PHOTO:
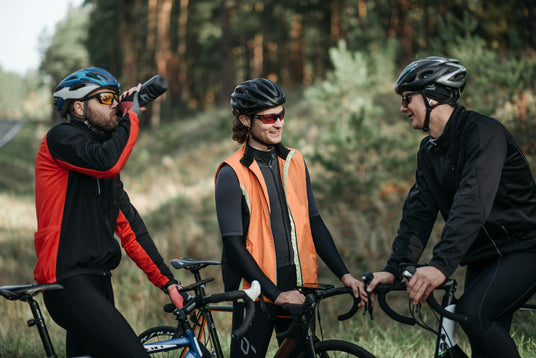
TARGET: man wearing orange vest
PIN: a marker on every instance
(270, 225)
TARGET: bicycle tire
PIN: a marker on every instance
(162, 333)
(337, 348)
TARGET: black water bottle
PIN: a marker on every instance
(151, 89)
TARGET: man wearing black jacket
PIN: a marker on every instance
(471, 171)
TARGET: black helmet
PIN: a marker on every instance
(255, 95)
(425, 73)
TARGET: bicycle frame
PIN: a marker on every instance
(446, 345)
(205, 318)
(303, 326)
(188, 339)
(204, 324)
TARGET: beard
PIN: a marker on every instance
(104, 121)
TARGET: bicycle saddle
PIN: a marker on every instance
(187, 263)
(21, 292)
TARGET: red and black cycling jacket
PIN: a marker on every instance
(80, 203)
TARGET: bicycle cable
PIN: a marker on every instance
(420, 321)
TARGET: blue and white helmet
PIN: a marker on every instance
(81, 83)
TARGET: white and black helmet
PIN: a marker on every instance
(426, 73)
(438, 78)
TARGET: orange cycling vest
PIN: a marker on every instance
(259, 240)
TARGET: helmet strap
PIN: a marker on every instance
(268, 146)
(85, 111)
(257, 139)
(429, 107)
(86, 121)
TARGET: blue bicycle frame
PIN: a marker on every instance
(188, 339)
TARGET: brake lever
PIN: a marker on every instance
(367, 279)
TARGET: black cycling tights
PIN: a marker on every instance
(85, 309)
(493, 291)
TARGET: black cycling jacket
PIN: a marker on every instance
(477, 177)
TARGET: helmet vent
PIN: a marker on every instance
(77, 86)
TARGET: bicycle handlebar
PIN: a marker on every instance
(339, 291)
(298, 311)
(383, 289)
(248, 295)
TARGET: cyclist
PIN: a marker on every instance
(80, 202)
(470, 170)
(269, 221)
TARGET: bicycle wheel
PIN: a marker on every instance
(162, 333)
(337, 348)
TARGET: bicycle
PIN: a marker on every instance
(302, 330)
(446, 345)
(182, 337)
(163, 339)
(203, 322)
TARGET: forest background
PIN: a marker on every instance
(336, 59)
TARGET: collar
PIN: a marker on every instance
(248, 157)
(102, 136)
(451, 129)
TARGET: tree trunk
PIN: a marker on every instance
(225, 71)
(128, 68)
(163, 50)
(152, 15)
(257, 54)
(296, 50)
(181, 89)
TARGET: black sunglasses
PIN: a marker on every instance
(406, 98)
(106, 98)
(269, 118)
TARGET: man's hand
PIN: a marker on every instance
(178, 298)
(381, 277)
(290, 297)
(357, 287)
(129, 100)
(423, 282)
